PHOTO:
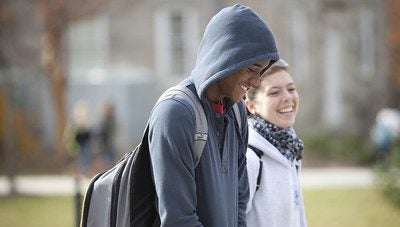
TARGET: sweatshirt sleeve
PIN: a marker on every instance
(171, 140)
(243, 191)
(253, 166)
(242, 174)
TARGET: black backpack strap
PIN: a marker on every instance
(259, 153)
(142, 197)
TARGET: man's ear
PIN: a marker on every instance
(251, 106)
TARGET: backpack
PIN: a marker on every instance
(259, 154)
(125, 194)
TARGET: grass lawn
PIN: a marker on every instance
(37, 211)
(349, 208)
(325, 208)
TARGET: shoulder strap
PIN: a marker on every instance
(259, 153)
(236, 112)
(201, 133)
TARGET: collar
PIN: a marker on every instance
(219, 107)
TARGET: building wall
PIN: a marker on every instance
(337, 53)
(336, 48)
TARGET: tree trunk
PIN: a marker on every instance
(53, 15)
(9, 142)
(394, 50)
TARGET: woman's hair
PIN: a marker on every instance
(277, 66)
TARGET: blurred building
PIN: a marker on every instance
(130, 51)
(337, 51)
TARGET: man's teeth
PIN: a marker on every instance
(286, 109)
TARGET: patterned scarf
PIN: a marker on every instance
(285, 140)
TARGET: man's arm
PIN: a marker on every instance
(242, 174)
(243, 192)
(171, 140)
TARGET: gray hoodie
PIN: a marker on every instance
(215, 192)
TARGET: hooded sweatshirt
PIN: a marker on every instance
(215, 192)
(278, 200)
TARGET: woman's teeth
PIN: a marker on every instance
(286, 109)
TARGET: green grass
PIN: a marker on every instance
(325, 208)
(349, 208)
(36, 211)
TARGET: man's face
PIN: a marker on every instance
(235, 85)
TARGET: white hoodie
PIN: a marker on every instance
(278, 202)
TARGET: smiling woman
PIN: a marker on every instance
(278, 100)
(275, 193)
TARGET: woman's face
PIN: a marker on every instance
(277, 100)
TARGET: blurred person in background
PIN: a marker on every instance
(383, 133)
(106, 134)
(274, 152)
(78, 137)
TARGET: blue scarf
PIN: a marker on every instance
(285, 140)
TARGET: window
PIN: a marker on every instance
(367, 42)
(88, 43)
(300, 47)
(176, 41)
(333, 100)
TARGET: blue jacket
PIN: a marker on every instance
(215, 192)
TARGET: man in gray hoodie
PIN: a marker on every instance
(237, 47)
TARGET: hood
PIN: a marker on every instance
(234, 38)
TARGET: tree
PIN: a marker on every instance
(7, 34)
(56, 16)
(393, 39)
